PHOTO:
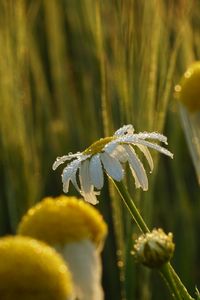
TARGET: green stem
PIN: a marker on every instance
(131, 206)
(166, 274)
(178, 290)
(180, 286)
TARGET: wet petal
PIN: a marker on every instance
(155, 147)
(126, 129)
(120, 154)
(96, 172)
(68, 172)
(112, 166)
(137, 167)
(91, 197)
(147, 154)
(133, 138)
(152, 135)
(87, 189)
(74, 182)
(110, 147)
(60, 160)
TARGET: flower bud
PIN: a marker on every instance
(154, 249)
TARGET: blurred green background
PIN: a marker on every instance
(72, 71)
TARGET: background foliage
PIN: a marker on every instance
(74, 71)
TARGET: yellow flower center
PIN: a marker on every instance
(188, 90)
(98, 146)
(63, 220)
(30, 269)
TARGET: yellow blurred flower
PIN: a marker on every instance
(188, 94)
(30, 269)
(188, 90)
(62, 220)
(77, 230)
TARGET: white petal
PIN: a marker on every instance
(110, 147)
(152, 135)
(120, 154)
(60, 160)
(68, 172)
(85, 176)
(137, 167)
(85, 266)
(137, 183)
(134, 138)
(155, 147)
(74, 182)
(87, 189)
(90, 197)
(96, 172)
(126, 129)
(147, 154)
(112, 166)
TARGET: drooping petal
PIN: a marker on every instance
(112, 166)
(68, 172)
(84, 263)
(60, 160)
(147, 154)
(132, 138)
(152, 135)
(74, 182)
(137, 166)
(90, 197)
(126, 129)
(110, 147)
(85, 177)
(137, 183)
(155, 147)
(96, 172)
(87, 189)
(119, 153)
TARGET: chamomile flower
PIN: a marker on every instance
(77, 231)
(110, 154)
(30, 269)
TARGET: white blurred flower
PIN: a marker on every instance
(84, 262)
(110, 154)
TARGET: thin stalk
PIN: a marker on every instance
(178, 290)
(180, 286)
(131, 206)
(167, 275)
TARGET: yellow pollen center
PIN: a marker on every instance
(98, 146)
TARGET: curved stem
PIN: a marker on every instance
(180, 286)
(166, 274)
(131, 206)
(178, 290)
